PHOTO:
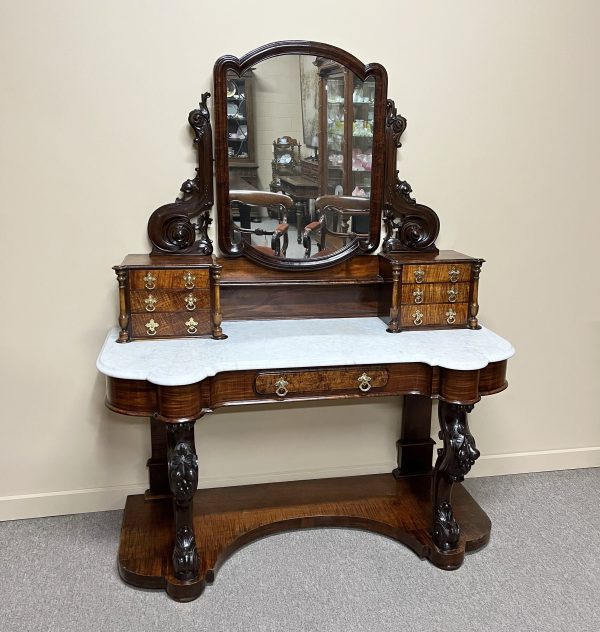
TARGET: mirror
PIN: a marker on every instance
(299, 153)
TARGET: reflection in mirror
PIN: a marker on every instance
(299, 145)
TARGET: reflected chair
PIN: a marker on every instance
(333, 228)
(288, 178)
(275, 202)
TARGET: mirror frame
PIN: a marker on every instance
(297, 47)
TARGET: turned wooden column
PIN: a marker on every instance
(453, 463)
(183, 481)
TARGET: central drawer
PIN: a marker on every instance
(359, 379)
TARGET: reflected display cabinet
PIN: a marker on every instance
(342, 311)
(347, 110)
(241, 134)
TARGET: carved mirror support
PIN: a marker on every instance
(170, 228)
(408, 226)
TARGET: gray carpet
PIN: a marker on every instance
(541, 572)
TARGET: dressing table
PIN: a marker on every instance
(333, 321)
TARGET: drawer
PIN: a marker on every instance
(359, 379)
(167, 325)
(423, 293)
(436, 273)
(438, 315)
(157, 301)
(180, 279)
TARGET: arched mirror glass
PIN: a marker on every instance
(299, 151)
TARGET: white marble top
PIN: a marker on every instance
(277, 344)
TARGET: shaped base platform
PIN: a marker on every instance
(227, 518)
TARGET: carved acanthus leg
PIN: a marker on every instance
(453, 463)
(183, 480)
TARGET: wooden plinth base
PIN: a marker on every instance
(227, 518)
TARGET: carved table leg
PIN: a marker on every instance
(183, 480)
(453, 463)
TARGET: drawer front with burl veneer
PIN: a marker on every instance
(357, 379)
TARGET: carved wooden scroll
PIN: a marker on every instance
(170, 227)
(409, 226)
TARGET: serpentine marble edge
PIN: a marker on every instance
(277, 344)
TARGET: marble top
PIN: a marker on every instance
(278, 344)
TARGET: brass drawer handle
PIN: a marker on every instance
(280, 387)
(418, 294)
(188, 280)
(364, 383)
(452, 295)
(151, 327)
(451, 316)
(419, 275)
(149, 281)
(150, 303)
(191, 325)
(418, 318)
(454, 273)
(190, 302)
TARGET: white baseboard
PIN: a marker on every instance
(110, 498)
(66, 502)
(540, 461)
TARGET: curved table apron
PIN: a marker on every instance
(176, 536)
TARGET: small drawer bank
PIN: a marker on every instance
(162, 298)
(429, 290)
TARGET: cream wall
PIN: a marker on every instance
(502, 100)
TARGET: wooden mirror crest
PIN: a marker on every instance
(307, 200)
